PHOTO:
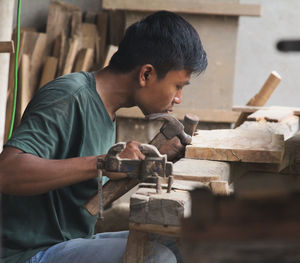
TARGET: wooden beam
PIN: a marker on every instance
(205, 115)
(7, 47)
(186, 7)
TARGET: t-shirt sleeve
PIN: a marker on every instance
(46, 126)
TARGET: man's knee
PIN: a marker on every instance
(157, 253)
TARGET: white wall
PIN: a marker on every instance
(257, 55)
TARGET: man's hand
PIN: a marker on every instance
(172, 148)
(131, 151)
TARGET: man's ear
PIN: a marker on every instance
(146, 74)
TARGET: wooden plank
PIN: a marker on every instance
(205, 115)
(62, 18)
(270, 115)
(71, 55)
(102, 23)
(7, 47)
(37, 60)
(149, 207)
(200, 170)
(111, 50)
(84, 60)
(251, 143)
(187, 7)
(49, 70)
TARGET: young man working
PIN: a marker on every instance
(48, 168)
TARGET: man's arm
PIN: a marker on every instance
(26, 174)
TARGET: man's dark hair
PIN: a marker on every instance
(164, 40)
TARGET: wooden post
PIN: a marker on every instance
(262, 96)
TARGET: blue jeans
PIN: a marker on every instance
(101, 248)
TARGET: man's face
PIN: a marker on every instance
(159, 95)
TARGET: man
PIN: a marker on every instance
(48, 167)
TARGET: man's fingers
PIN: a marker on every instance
(132, 151)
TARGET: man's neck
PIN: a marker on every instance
(115, 90)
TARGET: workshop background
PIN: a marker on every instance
(236, 192)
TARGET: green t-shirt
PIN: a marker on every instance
(65, 119)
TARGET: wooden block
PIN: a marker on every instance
(270, 115)
(257, 144)
(49, 70)
(71, 56)
(148, 207)
(7, 47)
(111, 50)
(188, 7)
(200, 170)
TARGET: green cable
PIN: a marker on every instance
(12, 121)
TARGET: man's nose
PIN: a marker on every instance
(178, 97)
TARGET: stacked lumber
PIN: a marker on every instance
(261, 223)
(74, 41)
(266, 143)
